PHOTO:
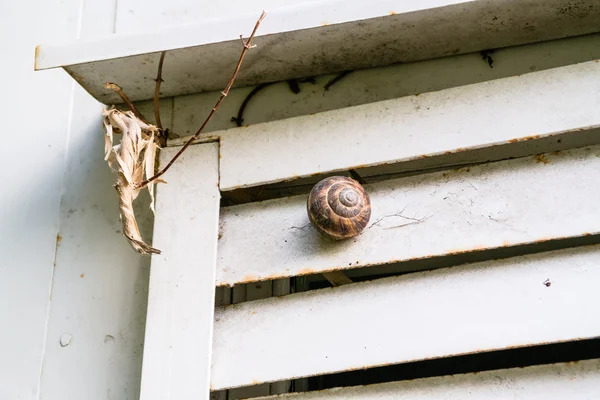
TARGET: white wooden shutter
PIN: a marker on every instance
(473, 169)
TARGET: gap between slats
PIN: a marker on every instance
(576, 380)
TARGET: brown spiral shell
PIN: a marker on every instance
(339, 207)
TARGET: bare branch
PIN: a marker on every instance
(224, 93)
(116, 88)
(157, 91)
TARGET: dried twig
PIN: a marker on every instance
(121, 93)
(157, 91)
(247, 45)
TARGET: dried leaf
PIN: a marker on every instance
(149, 159)
(132, 159)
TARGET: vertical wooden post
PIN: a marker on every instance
(179, 325)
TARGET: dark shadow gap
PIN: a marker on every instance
(542, 354)
(317, 281)
(488, 361)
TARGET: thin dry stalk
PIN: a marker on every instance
(116, 88)
(157, 91)
(246, 46)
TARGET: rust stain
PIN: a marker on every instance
(392, 12)
(58, 239)
(77, 76)
(249, 278)
(82, 275)
(462, 251)
(556, 153)
(524, 138)
(324, 23)
(541, 158)
(307, 271)
(35, 59)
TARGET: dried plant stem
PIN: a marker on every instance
(247, 45)
(121, 93)
(157, 91)
(130, 227)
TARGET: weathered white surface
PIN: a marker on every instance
(36, 125)
(451, 311)
(577, 381)
(178, 342)
(488, 206)
(100, 286)
(311, 39)
(468, 117)
(364, 86)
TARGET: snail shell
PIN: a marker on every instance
(339, 207)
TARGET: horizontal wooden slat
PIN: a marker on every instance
(573, 381)
(489, 206)
(451, 120)
(311, 39)
(528, 300)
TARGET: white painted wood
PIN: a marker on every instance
(342, 35)
(250, 292)
(32, 184)
(222, 298)
(135, 16)
(277, 101)
(100, 286)
(488, 206)
(472, 308)
(577, 381)
(469, 117)
(178, 341)
(247, 293)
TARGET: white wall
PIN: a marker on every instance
(65, 267)
(35, 118)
